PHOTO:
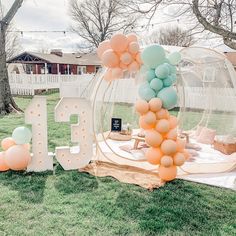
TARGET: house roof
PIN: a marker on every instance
(66, 58)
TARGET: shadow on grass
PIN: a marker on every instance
(72, 182)
(30, 186)
(178, 207)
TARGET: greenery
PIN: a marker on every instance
(73, 203)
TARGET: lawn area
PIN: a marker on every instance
(72, 203)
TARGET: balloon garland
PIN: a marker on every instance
(119, 54)
(122, 53)
(16, 150)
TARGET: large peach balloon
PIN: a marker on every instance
(179, 159)
(133, 47)
(3, 165)
(144, 125)
(173, 122)
(126, 58)
(103, 46)
(167, 161)
(141, 107)
(169, 147)
(17, 157)
(163, 126)
(162, 114)
(108, 75)
(154, 155)
(7, 143)
(150, 118)
(132, 38)
(153, 138)
(155, 104)
(117, 73)
(180, 144)
(172, 134)
(133, 66)
(110, 58)
(119, 42)
(167, 173)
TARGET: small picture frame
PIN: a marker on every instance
(116, 124)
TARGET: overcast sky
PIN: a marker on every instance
(53, 15)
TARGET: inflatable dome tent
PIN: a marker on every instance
(206, 88)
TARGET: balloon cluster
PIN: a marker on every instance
(119, 54)
(16, 150)
(158, 95)
(160, 73)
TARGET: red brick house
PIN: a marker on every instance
(56, 62)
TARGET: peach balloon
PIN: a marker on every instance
(126, 58)
(3, 165)
(117, 73)
(180, 144)
(7, 143)
(119, 42)
(173, 122)
(123, 66)
(172, 134)
(179, 159)
(110, 58)
(144, 125)
(162, 114)
(186, 154)
(155, 104)
(150, 118)
(167, 161)
(103, 46)
(163, 126)
(138, 58)
(17, 157)
(142, 107)
(154, 155)
(167, 173)
(133, 47)
(133, 66)
(108, 75)
(27, 146)
(153, 138)
(132, 38)
(169, 147)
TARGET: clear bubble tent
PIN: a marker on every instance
(206, 87)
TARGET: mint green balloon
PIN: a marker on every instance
(174, 58)
(168, 97)
(173, 69)
(146, 93)
(153, 55)
(156, 84)
(167, 82)
(21, 135)
(150, 74)
(173, 78)
(162, 71)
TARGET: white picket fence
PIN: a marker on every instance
(28, 84)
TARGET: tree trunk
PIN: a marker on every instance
(7, 104)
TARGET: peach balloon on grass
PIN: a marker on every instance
(169, 147)
(17, 157)
(144, 125)
(142, 107)
(162, 114)
(119, 42)
(180, 144)
(155, 104)
(103, 46)
(167, 173)
(7, 143)
(154, 155)
(186, 154)
(172, 134)
(179, 159)
(150, 118)
(3, 165)
(153, 138)
(110, 58)
(167, 161)
(163, 126)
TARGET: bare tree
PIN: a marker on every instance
(7, 103)
(171, 35)
(97, 20)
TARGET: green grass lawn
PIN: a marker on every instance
(73, 203)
